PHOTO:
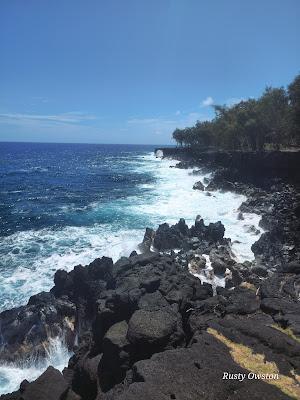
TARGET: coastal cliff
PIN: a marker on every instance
(155, 326)
(279, 164)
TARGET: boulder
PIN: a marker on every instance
(167, 237)
(116, 356)
(220, 259)
(193, 373)
(148, 239)
(85, 376)
(198, 186)
(242, 301)
(215, 231)
(51, 385)
(25, 330)
(291, 268)
(151, 331)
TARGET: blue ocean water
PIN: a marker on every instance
(48, 192)
(66, 204)
(54, 185)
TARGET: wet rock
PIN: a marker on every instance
(216, 231)
(220, 259)
(197, 264)
(25, 330)
(148, 239)
(198, 186)
(49, 386)
(240, 216)
(253, 229)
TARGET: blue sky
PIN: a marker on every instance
(116, 71)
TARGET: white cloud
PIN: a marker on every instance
(164, 125)
(151, 121)
(69, 117)
(209, 101)
(178, 112)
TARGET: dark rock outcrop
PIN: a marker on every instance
(198, 186)
(147, 328)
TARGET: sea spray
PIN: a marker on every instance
(165, 195)
(12, 374)
(110, 220)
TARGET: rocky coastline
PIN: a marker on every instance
(148, 327)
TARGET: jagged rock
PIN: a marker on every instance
(85, 376)
(148, 239)
(144, 259)
(198, 186)
(167, 237)
(193, 373)
(242, 301)
(142, 322)
(216, 231)
(259, 270)
(116, 356)
(197, 264)
(220, 259)
(49, 386)
(25, 330)
(291, 268)
(240, 216)
(152, 301)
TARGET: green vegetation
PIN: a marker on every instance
(269, 122)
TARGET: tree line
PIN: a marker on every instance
(270, 122)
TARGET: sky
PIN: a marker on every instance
(115, 71)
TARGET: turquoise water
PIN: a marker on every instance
(63, 205)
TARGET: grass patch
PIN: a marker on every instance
(256, 363)
(248, 285)
(286, 331)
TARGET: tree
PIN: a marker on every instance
(273, 113)
(178, 136)
(294, 98)
(271, 121)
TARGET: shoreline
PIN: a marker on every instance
(169, 199)
(128, 315)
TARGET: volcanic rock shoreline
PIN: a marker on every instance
(145, 327)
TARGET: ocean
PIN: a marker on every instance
(66, 204)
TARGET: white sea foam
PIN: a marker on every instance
(11, 375)
(30, 258)
(40, 253)
(207, 275)
(175, 198)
